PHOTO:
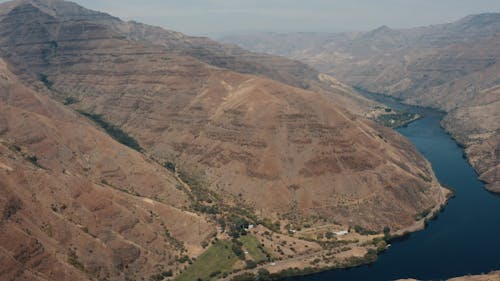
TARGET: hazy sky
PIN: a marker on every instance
(209, 17)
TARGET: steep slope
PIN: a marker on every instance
(76, 205)
(452, 67)
(226, 56)
(244, 136)
(231, 57)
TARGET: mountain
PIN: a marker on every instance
(209, 51)
(452, 67)
(74, 201)
(131, 149)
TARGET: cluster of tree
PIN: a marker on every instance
(237, 226)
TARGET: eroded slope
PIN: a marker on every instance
(76, 205)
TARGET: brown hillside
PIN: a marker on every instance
(76, 204)
(280, 149)
(453, 67)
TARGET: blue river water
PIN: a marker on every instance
(465, 237)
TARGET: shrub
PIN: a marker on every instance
(13, 205)
(73, 260)
(45, 80)
(250, 264)
(237, 250)
(422, 214)
(70, 100)
(237, 226)
(112, 130)
(170, 166)
(363, 231)
(244, 277)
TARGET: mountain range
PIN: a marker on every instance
(128, 151)
(451, 67)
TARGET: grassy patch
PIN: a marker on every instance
(112, 130)
(254, 248)
(171, 240)
(73, 260)
(364, 231)
(219, 258)
(70, 100)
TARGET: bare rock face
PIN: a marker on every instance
(452, 67)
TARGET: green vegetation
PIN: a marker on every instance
(363, 231)
(113, 131)
(276, 226)
(237, 226)
(264, 275)
(34, 160)
(171, 240)
(254, 248)
(387, 233)
(422, 214)
(394, 120)
(54, 45)
(170, 166)
(73, 260)
(198, 190)
(237, 250)
(329, 235)
(250, 264)
(244, 277)
(12, 207)
(217, 260)
(161, 276)
(70, 100)
(45, 80)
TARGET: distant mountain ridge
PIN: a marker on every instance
(452, 67)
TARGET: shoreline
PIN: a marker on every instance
(292, 270)
(288, 268)
(373, 96)
(311, 263)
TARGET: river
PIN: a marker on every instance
(465, 237)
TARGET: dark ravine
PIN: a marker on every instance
(461, 241)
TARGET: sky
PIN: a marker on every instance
(220, 17)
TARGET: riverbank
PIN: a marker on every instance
(444, 249)
(476, 131)
(355, 250)
(492, 276)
